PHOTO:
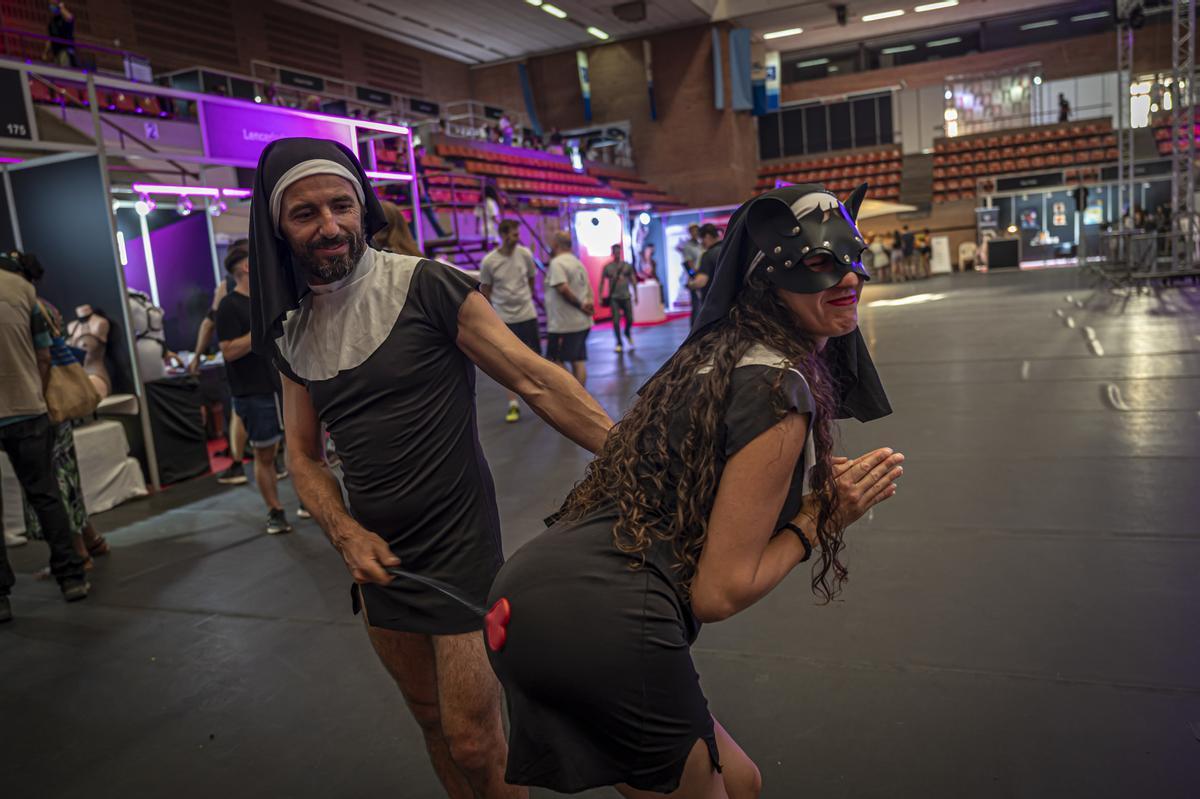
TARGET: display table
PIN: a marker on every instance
(108, 475)
(647, 303)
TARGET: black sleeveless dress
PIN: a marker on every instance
(403, 422)
(596, 667)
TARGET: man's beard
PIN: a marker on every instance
(324, 270)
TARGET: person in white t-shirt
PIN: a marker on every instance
(506, 278)
(569, 308)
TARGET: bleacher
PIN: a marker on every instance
(841, 173)
(75, 96)
(536, 173)
(1162, 134)
(959, 162)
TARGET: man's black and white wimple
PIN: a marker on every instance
(786, 230)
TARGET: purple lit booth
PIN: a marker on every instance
(149, 205)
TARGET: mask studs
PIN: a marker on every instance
(804, 250)
(826, 245)
(846, 258)
(795, 230)
(778, 250)
(787, 264)
(770, 269)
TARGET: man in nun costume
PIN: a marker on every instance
(381, 349)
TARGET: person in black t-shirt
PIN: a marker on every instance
(710, 240)
(61, 28)
(253, 386)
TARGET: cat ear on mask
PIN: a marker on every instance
(854, 201)
(770, 221)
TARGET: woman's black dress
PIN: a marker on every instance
(597, 666)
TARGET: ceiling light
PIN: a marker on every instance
(1046, 23)
(833, 68)
(816, 62)
(899, 12)
(553, 11)
(1037, 80)
(904, 48)
(944, 42)
(534, 2)
(1086, 17)
(781, 34)
(936, 6)
(185, 206)
(949, 94)
(644, 218)
(599, 34)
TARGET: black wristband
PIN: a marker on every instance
(803, 540)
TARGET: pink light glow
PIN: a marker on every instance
(6, 160)
(181, 191)
(389, 176)
(240, 193)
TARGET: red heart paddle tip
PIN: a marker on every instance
(496, 624)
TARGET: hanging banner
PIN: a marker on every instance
(585, 85)
(527, 94)
(646, 58)
(718, 72)
(772, 80)
(740, 83)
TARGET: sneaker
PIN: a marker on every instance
(513, 415)
(75, 590)
(5, 609)
(15, 539)
(235, 475)
(303, 513)
(281, 471)
(277, 522)
(618, 348)
(629, 344)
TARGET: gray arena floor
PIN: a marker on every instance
(1023, 619)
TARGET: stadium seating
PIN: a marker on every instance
(959, 163)
(840, 173)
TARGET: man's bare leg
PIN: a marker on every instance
(264, 475)
(469, 697)
(579, 369)
(408, 657)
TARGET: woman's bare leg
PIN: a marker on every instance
(738, 779)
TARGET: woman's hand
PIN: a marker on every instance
(864, 482)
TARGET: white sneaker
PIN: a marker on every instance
(629, 343)
(15, 539)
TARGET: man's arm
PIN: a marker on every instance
(365, 553)
(550, 390)
(234, 349)
(565, 292)
(203, 337)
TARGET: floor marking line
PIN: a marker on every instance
(1025, 366)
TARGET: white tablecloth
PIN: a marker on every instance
(647, 302)
(108, 474)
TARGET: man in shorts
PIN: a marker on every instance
(569, 308)
(252, 383)
(506, 278)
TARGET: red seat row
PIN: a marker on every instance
(829, 162)
(485, 168)
(1041, 134)
(534, 159)
(568, 189)
(76, 97)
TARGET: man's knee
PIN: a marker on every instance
(428, 717)
(265, 454)
(475, 749)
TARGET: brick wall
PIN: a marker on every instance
(229, 34)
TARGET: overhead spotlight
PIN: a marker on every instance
(185, 206)
(553, 10)
(144, 205)
(1037, 80)
(949, 94)
(599, 34)
(258, 98)
(1012, 228)
(217, 208)
(644, 218)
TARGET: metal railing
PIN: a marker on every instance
(29, 46)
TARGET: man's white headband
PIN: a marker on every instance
(306, 169)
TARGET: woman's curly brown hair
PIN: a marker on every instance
(633, 470)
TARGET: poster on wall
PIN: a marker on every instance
(1059, 220)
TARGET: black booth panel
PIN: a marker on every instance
(64, 216)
